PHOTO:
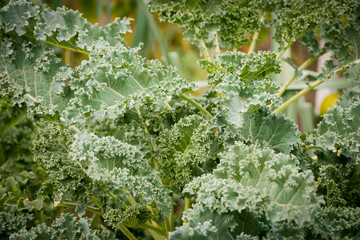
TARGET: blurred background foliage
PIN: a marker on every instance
(164, 41)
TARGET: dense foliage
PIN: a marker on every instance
(106, 149)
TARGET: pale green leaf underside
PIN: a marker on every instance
(269, 130)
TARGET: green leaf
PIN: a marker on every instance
(64, 227)
(249, 177)
(33, 75)
(63, 27)
(201, 18)
(186, 149)
(340, 128)
(212, 225)
(337, 223)
(116, 79)
(269, 130)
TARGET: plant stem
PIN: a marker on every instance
(195, 104)
(256, 35)
(253, 42)
(153, 228)
(278, 56)
(203, 47)
(68, 48)
(298, 95)
(187, 204)
(217, 45)
(126, 232)
(73, 205)
(300, 68)
(130, 198)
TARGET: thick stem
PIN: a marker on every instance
(73, 205)
(126, 232)
(217, 46)
(298, 95)
(253, 42)
(153, 228)
(300, 68)
(203, 47)
(195, 104)
(187, 204)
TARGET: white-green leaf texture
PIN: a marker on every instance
(113, 80)
(340, 128)
(249, 178)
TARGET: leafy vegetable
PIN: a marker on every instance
(121, 139)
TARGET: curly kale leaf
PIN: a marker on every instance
(337, 223)
(339, 179)
(203, 224)
(12, 221)
(340, 128)
(242, 83)
(80, 164)
(116, 79)
(131, 216)
(65, 227)
(15, 139)
(248, 178)
(269, 130)
(188, 149)
(245, 67)
(113, 80)
(61, 27)
(234, 22)
(120, 166)
(34, 75)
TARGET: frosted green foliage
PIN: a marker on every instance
(64, 227)
(131, 216)
(249, 177)
(18, 16)
(297, 18)
(246, 67)
(269, 130)
(235, 22)
(340, 128)
(113, 80)
(188, 149)
(120, 166)
(51, 149)
(232, 21)
(337, 223)
(78, 164)
(212, 225)
(33, 75)
(241, 80)
(342, 37)
(116, 79)
(12, 221)
(339, 179)
(62, 27)
(286, 230)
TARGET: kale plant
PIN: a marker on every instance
(121, 140)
